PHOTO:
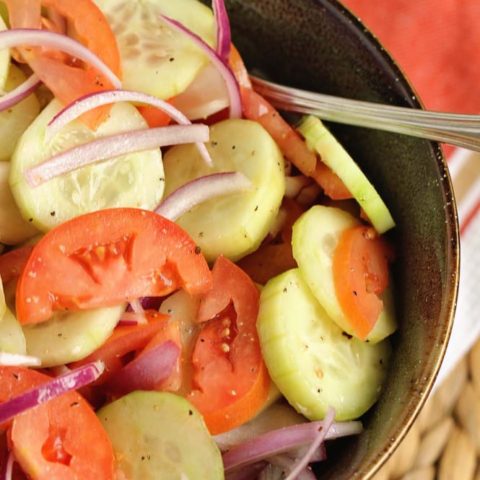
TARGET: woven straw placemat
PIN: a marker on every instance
(444, 442)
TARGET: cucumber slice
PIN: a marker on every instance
(160, 435)
(15, 120)
(5, 52)
(134, 180)
(12, 339)
(337, 158)
(233, 225)
(155, 59)
(13, 228)
(314, 239)
(182, 309)
(308, 357)
(3, 303)
(69, 337)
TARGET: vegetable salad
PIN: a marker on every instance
(191, 287)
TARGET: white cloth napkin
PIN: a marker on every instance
(465, 170)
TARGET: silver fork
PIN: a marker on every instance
(455, 129)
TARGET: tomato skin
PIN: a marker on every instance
(68, 82)
(24, 13)
(13, 262)
(82, 447)
(124, 340)
(330, 182)
(360, 269)
(230, 379)
(238, 68)
(153, 116)
(170, 331)
(257, 108)
(107, 258)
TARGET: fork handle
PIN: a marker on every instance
(456, 129)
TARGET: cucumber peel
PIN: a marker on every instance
(12, 339)
(5, 52)
(160, 435)
(13, 228)
(315, 236)
(3, 304)
(337, 159)
(68, 337)
(310, 359)
(15, 120)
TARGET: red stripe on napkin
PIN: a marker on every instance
(435, 42)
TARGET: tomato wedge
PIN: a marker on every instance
(153, 116)
(230, 380)
(170, 331)
(255, 107)
(13, 262)
(360, 270)
(123, 341)
(59, 440)
(69, 80)
(107, 258)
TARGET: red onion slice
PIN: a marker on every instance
(94, 100)
(146, 371)
(230, 81)
(200, 190)
(17, 360)
(205, 96)
(302, 463)
(72, 380)
(114, 146)
(276, 470)
(224, 36)
(151, 303)
(18, 37)
(283, 440)
(9, 467)
(19, 93)
(285, 462)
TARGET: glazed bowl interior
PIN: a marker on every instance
(319, 45)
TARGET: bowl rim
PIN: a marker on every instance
(452, 242)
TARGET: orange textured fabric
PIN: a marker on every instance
(435, 42)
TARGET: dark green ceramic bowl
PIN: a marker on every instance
(319, 45)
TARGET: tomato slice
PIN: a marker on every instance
(360, 269)
(69, 80)
(24, 13)
(170, 331)
(255, 107)
(13, 262)
(230, 379)
(59, 440)
(123, 341)
(330, 182)
(106, 258)
(153, 116)
(238, 68)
